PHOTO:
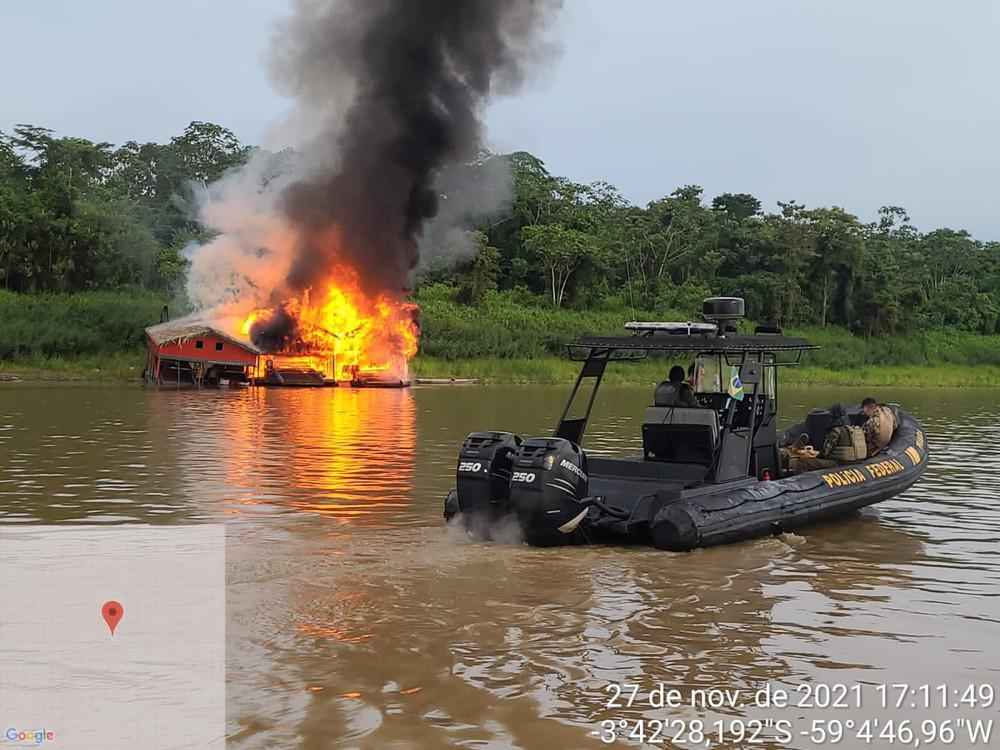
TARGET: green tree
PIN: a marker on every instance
(737, 206)
(561, 252)
(207, 151)
(481, 278)
(679, 235)
(76, 214)
(839, 246)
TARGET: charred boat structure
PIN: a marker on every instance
(293, 371)
(710, 472)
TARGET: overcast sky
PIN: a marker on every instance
(856, 103)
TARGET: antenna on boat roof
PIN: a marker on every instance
(631, 297)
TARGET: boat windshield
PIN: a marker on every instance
(707, 376)
(713, 374)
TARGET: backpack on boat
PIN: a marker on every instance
(845, 444)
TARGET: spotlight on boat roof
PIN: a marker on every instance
(688, 329)
(721, 315)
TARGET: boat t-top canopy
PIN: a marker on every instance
(717, 335)
(647, 340)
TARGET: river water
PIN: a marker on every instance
(357, 619)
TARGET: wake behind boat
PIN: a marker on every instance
(713, 468)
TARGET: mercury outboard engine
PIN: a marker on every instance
(548, 481)
(482, 480)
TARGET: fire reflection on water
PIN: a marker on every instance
(343, 453)
(357, 457)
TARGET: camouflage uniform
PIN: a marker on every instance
(845, 444)
(879, 428)
(837, 433)
(832, 439)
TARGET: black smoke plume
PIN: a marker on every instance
(416, 75)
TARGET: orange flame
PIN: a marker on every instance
(359, 334)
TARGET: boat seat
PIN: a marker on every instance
(680, 434)
(818, 423)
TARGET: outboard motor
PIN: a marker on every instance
(547, 483)
(482, 480)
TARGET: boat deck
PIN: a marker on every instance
(628, 478)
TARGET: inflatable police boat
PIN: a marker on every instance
(710, 471)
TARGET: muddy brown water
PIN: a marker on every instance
(357, 619)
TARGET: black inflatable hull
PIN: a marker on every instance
(673, 519)
(770, 507)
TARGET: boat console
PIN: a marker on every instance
(680, 434)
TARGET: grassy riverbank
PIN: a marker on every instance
(117, 367)
(48, 331)
(127, 366)
(554, 370)
(507, 339)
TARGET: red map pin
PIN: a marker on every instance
(112, 613)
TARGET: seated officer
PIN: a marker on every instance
(879, 425)
(675, 392)
(843, 442)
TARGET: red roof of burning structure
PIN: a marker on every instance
(195, 340)
(184, 329)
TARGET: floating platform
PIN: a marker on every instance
(379, 383)
(447, 381)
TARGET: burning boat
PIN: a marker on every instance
(306, 371)
(339, 336)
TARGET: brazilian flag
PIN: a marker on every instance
(736, 385)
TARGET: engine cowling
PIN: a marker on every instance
(482, 480)
(548, 481)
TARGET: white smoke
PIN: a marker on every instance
(469, 195)
(252, 251)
